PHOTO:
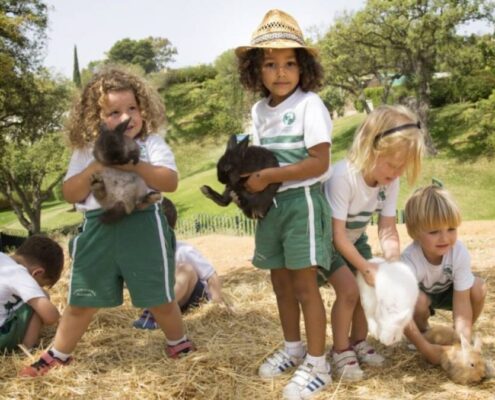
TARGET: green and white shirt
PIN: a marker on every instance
(455, 268)
(292, 127)
(354, 202)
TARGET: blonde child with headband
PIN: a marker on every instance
(388, 144)
(442, 266)
(292, 239)
(142, 243)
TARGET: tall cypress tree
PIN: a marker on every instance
(76, 75)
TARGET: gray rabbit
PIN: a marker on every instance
(240, 159)
(118, 192)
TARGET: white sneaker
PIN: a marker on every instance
(306, 382)
(278, 363)
(367, 354)
(347, 366)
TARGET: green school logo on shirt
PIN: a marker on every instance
(289, 118)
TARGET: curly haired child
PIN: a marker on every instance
(139, 249)
(293, 238)
(24, 305)
(441, 264)
(388, 144)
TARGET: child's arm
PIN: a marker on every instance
(347, 249)
(157, 177)
(315, 164)
(389, 238)
(432, 352)
(462, 313)
(77, 187)
(45, 309)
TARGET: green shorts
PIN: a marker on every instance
(296, 232)
(338, 260)
(442, 300)
(138, 250)
(13, 330)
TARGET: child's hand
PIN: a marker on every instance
(369, 273)
(256, 182)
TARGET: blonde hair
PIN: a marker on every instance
(85, 117)
(370, 142)
(428, 209)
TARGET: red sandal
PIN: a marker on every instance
(180, 349)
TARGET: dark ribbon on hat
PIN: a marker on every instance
(396, 129)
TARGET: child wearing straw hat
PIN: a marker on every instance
(293, 238)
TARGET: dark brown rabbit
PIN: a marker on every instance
(118, 192)
(240, 159)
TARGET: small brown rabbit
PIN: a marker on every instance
(463, 362)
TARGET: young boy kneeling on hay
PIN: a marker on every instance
(24, 305)
(442, 266)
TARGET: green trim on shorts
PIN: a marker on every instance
(14, 329)
(338, 260)
(296, 232)
(138, 250)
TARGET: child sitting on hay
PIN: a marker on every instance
(196, 280)
(442, 266)
(24, 305)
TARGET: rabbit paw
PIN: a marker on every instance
(98, 186)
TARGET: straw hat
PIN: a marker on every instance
(278, 30)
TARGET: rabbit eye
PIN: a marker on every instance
(472, 365)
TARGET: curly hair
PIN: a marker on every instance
(85, 116)
(368, 143)
(250, 63)
(45, 252)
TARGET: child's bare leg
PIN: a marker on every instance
(477, 295)
(359, 329)
(169, 318)
(347, 297)
(422, 312)
(288, 306)
(185, 281)
(33, 331)
(73, 325)
(308, 295)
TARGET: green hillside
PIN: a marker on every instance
(470, 177)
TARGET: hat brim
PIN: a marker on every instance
(277, 44)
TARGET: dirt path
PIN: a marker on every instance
(230, 252)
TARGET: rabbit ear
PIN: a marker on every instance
(477, 343)
(120, 129)
(232, 143)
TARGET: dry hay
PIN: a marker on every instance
(115, 361)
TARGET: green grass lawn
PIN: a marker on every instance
(469, 177)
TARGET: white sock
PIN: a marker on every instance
(320, 362)
(176, 342)
(294, 349)
(59, 354)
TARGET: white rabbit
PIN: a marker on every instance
(389, 305)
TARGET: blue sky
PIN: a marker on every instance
(200, 29)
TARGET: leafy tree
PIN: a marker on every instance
(33, 156)
(76, 74)
(152, 53)
(407, 36)
(31, 107)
